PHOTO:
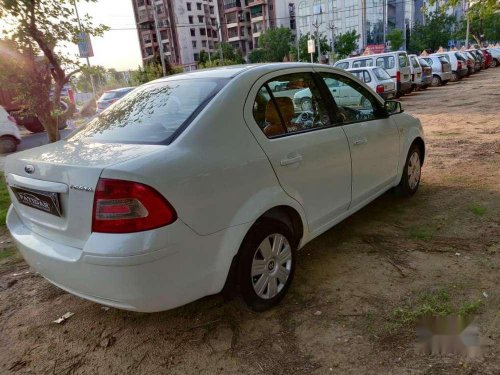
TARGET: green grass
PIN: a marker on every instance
(478, 210)
(7, 253)
(431, 303)
(421, 233)
(4, 200)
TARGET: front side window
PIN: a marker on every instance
(289, 104)
(354, 102)
(152, 113)
(362, 75)
(385, 62)
(362, 63)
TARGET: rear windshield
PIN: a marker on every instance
(381, 74)
(414, 62)
(459, 56)
(443, 59)
(423, 62)
(152, 113)
(386, 62)
(343, 65)
(403, 60)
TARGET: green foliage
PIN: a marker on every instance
(323, 43)
(346, 43)
(257, 55)
(478, 210)
(276, 43)
(145, 74)
(37, 28)
(397, 39)
(229, 53)
(437, 31)
(217, 62)
(484, 23)
(4, 200)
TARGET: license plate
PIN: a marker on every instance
(39, 200)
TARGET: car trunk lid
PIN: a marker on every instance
(56, 184)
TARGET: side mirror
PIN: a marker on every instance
(393, 107)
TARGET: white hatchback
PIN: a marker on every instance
(206, 180)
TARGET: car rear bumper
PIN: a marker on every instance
(426, 80)
(189, 267)
(388, 95)
(404, 87)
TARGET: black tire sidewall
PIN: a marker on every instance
(12, 146)
(253, 239)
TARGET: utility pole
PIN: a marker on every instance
(316, 25)
(219, 31)
(385, 24)
(87, 58)
(468, 23)
(331, 27)
(158, 39)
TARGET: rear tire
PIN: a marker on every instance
(8, 144)
(444, 82)
(266, 264)
(436, 81)
(410, 180)
(493, 63)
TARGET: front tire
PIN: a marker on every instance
(410, 180)
(8, 144)
(266, 264)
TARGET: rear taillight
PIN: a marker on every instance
(127, 206)
(12, 119)
(459, 64)
(379, 89)
(398, 76)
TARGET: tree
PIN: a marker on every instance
(230, 53)
(323, 43)
(397, 39)
(257, 55)
(276, 43)
(346, 43)
(39, 27)
(436, 32)
(149, 72)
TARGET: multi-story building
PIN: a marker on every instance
(185, 28)
(245, 20)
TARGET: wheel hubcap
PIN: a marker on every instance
(271, 266)
(414, 170)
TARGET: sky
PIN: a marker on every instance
(117, 49)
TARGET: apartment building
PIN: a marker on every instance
(245, 20)
(182, 28)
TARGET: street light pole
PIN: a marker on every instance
(158, 39)
(87, 58)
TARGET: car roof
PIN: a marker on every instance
(121, 89)
(364, 67)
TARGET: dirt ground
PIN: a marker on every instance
(359, 289)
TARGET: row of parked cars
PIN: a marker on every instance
(393, 74)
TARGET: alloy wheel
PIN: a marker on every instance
(271, 266)
(414, 170)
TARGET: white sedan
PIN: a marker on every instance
(206, 180)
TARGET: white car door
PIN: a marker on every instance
(373, 140)
(309, 155)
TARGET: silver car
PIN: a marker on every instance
(441, 69)
(378, 79)
(111, 96)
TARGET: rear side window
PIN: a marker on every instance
(362, 63)
(386, 62)
(403, 60)
(152, 113)
(381, 74)
(343, 65)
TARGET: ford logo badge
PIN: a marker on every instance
(29, 169)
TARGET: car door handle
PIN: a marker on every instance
(291, 160)
(360, 141)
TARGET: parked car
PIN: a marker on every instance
(426, 74)
(395, 63)
(441, 70)
(111, 96)
(378, 80)
(487, 57)
(9, 132)
(467, 59)
(479, 58)
(158, 202)
(416, 72)
(495, 57)
(476, 64)
(458, 64)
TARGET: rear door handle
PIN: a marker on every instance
(291, 160)
(360, 141)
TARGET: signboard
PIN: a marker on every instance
(310, 46)
(374, 48)
(85, 45)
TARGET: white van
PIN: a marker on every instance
(396, 64)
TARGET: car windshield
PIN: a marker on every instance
(108, 95)
(152, 113)
(381, 74)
